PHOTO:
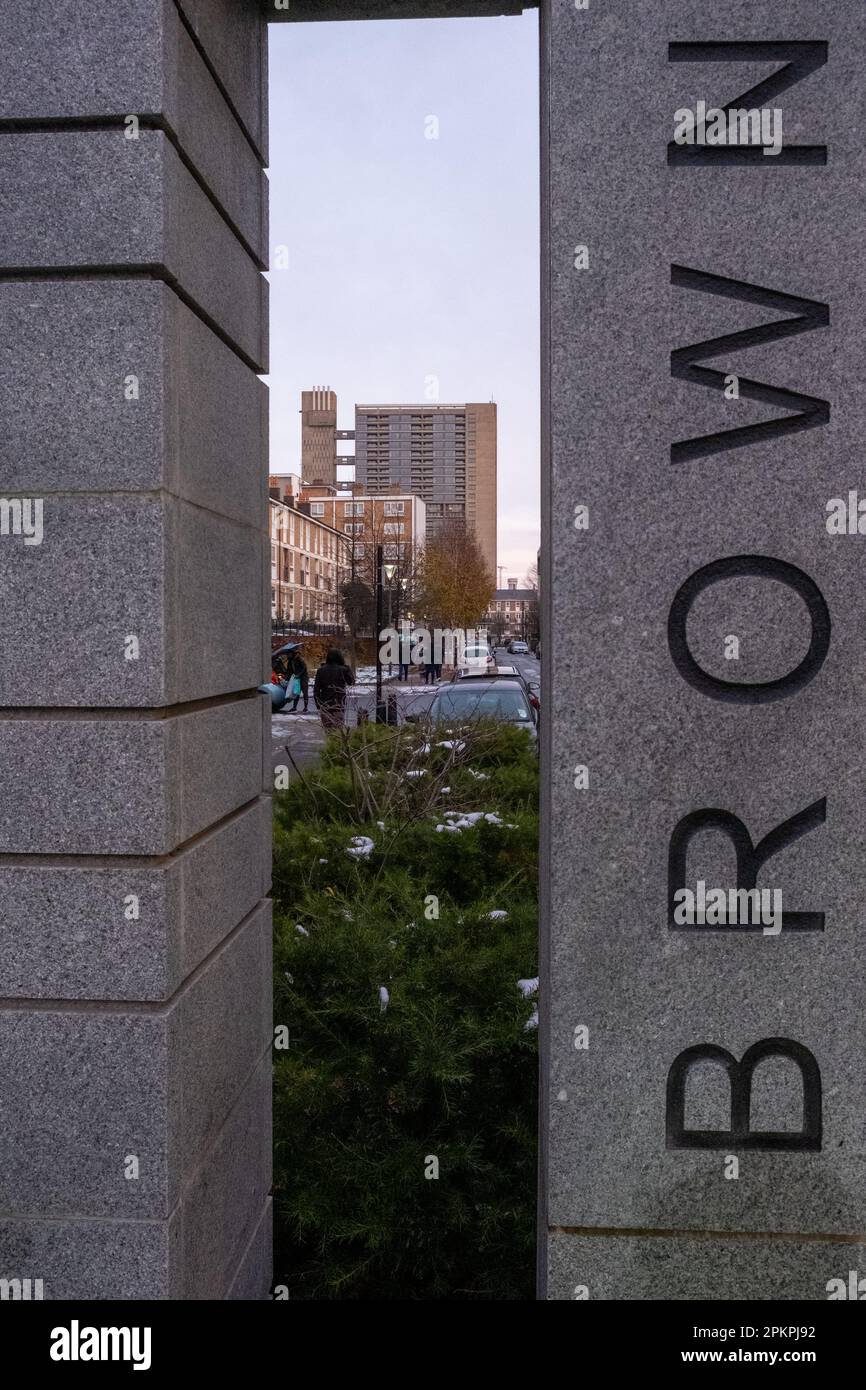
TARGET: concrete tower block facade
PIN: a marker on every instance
(319, 436)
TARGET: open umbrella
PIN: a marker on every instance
(281, 658)
(279, 693)
(287, 649)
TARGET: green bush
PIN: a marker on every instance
(373, 1088)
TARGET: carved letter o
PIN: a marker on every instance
(762, 567)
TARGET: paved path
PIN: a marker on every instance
(304, 735)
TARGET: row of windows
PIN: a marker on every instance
(357, 508)
(309, 538)
(305, 578)
(389, 552)
(284, 558)
(292, 605)
(426, 418)
(389, 528)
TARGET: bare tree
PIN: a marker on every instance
(399, 553)
(531, 613)
(455, 587)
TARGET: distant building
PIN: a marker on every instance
(309, 560)
(445, 454)
(319, 436)
(513, 612)
(397, 523)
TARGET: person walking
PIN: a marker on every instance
(329, 689)
(300, 682)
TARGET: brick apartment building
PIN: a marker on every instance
(397, 522)
(513, 612)
(310, 560)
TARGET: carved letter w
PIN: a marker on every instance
(808, 314)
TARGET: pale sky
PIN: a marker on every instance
(408, 257)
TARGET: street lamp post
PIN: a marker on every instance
(380, 709)
(401, 594)
(384, 574)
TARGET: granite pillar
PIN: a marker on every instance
(704, 1102)
(135, 990)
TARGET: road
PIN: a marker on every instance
(304, 734)
(528, 667)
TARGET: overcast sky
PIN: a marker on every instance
(409, 258)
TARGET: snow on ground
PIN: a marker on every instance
(366, 675)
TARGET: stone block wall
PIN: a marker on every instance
(135, 1016)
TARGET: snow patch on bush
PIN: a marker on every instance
(464, 820)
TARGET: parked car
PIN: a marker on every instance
(497, 672)
(482, 697)
(475, 658)
(518, 648)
